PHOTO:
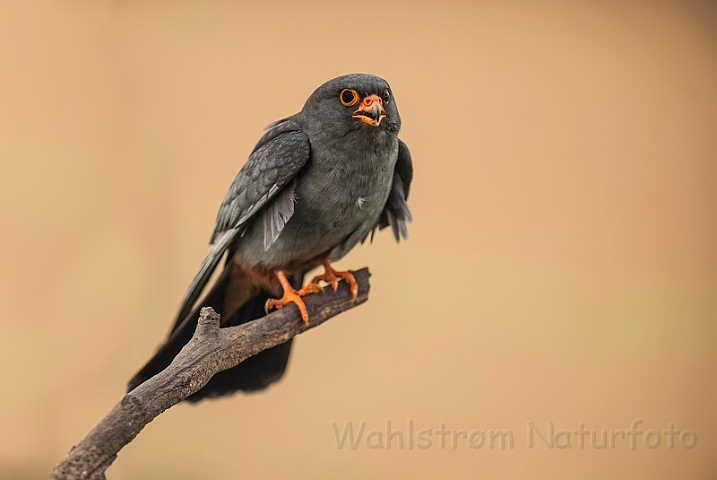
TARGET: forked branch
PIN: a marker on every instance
(210, 351)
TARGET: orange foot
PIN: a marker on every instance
(333, 276)
(291, 296)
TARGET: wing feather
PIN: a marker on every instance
(277, 213)
(272, 166)
(396, 213)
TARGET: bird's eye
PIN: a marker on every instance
(348, 97)
(386, 97)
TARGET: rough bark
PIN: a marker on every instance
(211, 350)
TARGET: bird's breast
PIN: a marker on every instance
(346, 185)
(340, 192)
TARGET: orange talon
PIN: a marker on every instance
(291, 296)
(332, 277)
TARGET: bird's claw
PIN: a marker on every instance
(291, 296)
(333, 277)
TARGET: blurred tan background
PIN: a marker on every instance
(562, 265)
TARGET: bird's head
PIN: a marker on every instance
(352, 102)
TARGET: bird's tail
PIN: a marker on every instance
(244, 301)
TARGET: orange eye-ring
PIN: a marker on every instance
(348, 97)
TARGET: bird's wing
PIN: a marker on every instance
(268, 174)
(396, 213)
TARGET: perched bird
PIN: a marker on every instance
(316, 184)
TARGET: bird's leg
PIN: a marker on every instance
(333, 276)
(291, 296)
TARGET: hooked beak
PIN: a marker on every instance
(371, 110)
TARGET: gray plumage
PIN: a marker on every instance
(273, 163)
(315, 185)
(348, 160)
(396, 213)
(278, 213)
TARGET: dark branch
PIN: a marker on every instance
(210, 351)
